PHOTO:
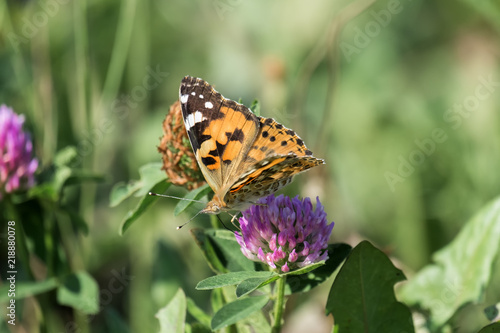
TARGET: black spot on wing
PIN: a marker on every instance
(219, 150)
(236, 135)
(208, 160)
(250, 159)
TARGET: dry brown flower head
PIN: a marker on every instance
(179, 161)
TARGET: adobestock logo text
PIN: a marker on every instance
(365, 35)
(31, 24)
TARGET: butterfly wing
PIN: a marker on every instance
(221, 131)
(276, 155)
(275, 139)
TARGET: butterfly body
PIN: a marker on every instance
(242, 156)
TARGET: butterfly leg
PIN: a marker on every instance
(233, 221)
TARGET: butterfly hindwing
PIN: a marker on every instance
(268, 176)
(279, 140)
(276, 149)
(275, 139)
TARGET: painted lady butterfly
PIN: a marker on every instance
(243, 157)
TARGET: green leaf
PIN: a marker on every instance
(492, 328)
(251, 284)
(80, 291)
(255, 322)
(198, 314)
(230, 251)
(462, 270)
(142, 206)
(51, 183)
(173, 315)
(150, 175)
(26, 289)
(196, 194)
(122, 191)
(362, 296)
(66, 156)
(221, 250)
(298, 281)
(255, 107)
(237, 310)
(209, 250)
(305, 269)
(232, 278)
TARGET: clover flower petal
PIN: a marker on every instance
(285, 233)
(17, 165)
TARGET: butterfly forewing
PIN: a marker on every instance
(220, 130)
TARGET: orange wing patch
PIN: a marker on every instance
(226, 138)
(276, 139)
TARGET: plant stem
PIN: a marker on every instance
(214, 222)
(279, 304)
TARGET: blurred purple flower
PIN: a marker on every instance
(285, 233)
(17, 166)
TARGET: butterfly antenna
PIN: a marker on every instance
(170, 196)
(182, 225)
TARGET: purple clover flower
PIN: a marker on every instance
(17, 166)
(285, 233)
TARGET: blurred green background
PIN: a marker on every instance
(401, 99)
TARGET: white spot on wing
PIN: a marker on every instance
(193, 93)
(193, 118)
(209, 105)
(189, 121)
(201, 96)
(184, 98)
(198, 117)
